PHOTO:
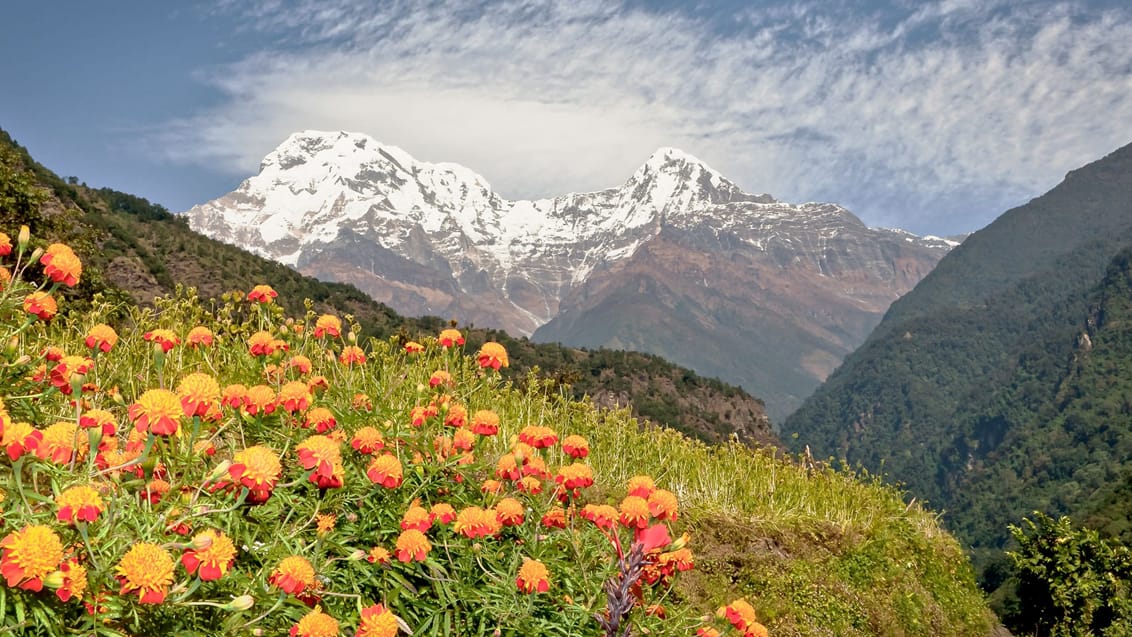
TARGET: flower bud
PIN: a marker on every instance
(243, 602)
(202, 542)
(23, 237)
(352, 337)
(35, 255)
(220, 472)
(358, 554)
(54, 580)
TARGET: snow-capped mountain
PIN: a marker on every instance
(436, 239)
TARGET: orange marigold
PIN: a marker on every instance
(41, 305)
(261, 344)
(602, 515)
(416, 518)
(352, 355)
(61, 374)
(533, 577)
(509, 512)
(259, 399)
(263, 294)
(99, 419)
(212, 552)
(295, 396)
(101, 337)
(538, 437)
(663, 505)
(321, 456)
(555, 518)
(367, 440)
(575, 476)
(412, 545)
(441, 378)
(146, 569)
(634, 512)
(5, 245)
(492, 355)
(300, 363)
(378, 555)
(61, 265)
(473, 522)
(641, 486)
(576, 446)
(165, 339)
(385, 470)
(442, 513)
(463, 440)
(327, 324)
(29, 555)
(71, 579)
(157, 411)
(457, 416)
(377, 621)
(199, 336)
(80, 503)
(59, 443)
(199, 394)
(233, 395)
(257, 468)
(324, 523)
(485, 422)
(20, 438)
(293, 575)
(315, 624)
(321, 418)
(450, 338)
(413, 347)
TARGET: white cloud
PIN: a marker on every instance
(934, 119)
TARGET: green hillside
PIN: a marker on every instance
(998, 385)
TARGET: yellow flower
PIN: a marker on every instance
(492, 355)
(166, 339)
(634, 512)
(61, 265)
(263, 294)
(146, 569)
(293, 575)
(315, 624)
(367, 440)
(325, 523)
(213, 553)
(199, 336)
(199, 392)
(663, 506)
(42, 305)
(450, 338)
(80, 503)
(533, 577)
(377, 621)
(58, 444)
(29, 555)
(327, 324)
(509, 512)
(158, 411)
(295, 396)
(385, 470)
(101, 337)
(412, 545)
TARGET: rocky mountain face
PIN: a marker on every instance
(677, 261)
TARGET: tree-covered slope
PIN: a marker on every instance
(970, 370)
(139, 250)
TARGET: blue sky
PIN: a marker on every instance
(935, 117)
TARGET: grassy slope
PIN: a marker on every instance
(820, 552)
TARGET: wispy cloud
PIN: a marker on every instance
(934, 117)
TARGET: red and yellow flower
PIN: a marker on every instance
(199, 336)
(293, 575)
(538, 436)
(509, 512)
(352, 355)
(641, 486)
(442, 513)
(602, 515)
(262, 294)
(259, 399)
(80, 503)
(321, 418)
(413, 347)
(576, 446)
(533, 577)
(157, 411)
(61, 442)
(327, 325)
(663, 505)
(412, 545)
(634, 512)
(555, 518)
(101, 337)
(367, 440)
(211, 556)
(165, 339)
(199, 394)
(20, 438)
(61, 374)
(258, 469)
(41, 305)
(474, 522)
(416, 518)
(262, 344)
(450, 338)
(321, 456)
(71, 580)
(377, 621)
(295, 396)
(99, 419)
(29, 555)
(385, 470)
(146, 569)
(492, 355)
(61, 265)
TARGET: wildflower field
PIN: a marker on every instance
(216, 467)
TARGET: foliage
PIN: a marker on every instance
(1071, 582)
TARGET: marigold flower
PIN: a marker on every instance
(450, 338)
(259, 399)
(463, 440)
(300, 363)
(740, 613)
(352, 355)
(5, 245)
(457, 416)
(602, 515)
(416, 518)
(641, 486)
(412, 545)
(101, 337)
(441, 378)
(327, 324)
(680, 560)
(5, 277)
(474, 522)
(529, 484)
(20, 438)
(29, 555)
(535, 467)
(575, 476)
(62, 265)
(509, 512)
(199, 393)
(294, 396)
(634, 512)
(80, 503)
(538, 437)
(321, 418)
(485, 422)
(324, 523)
(72, 580)
(533, 577)
(166, 339)
(315, 624)
(262, 294)
(367, 440)
(257, 468)
(293, 575)
(385, 470)
(576, 446)
(261, 344)
(154, 490)
(492, 355)
(663, 505)
(361, 402)
(146, 569)
(59, 443)
(42, 305)
(442, 513)
(215, 557)
(413, 347)
(233, 395)
(377, 621)
(378, 555)
(555, 518)
(507, 467)
(491, 486)
(322, 457)
(99, 419)
(419, 414)
(707, 631)
(61, 374)
(157, 411)
(199, 336)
